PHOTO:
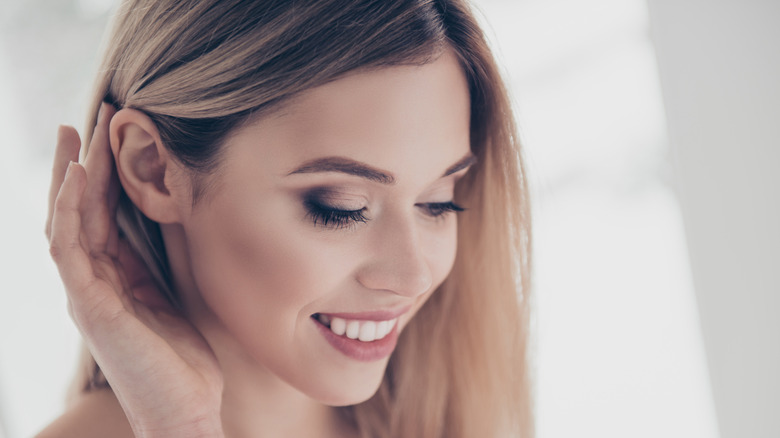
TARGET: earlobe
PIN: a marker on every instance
(146, 171)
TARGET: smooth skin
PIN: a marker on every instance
(249, 262)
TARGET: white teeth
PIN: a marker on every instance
(353, 329)
(365, 331)
(382, 329)
(338, 326)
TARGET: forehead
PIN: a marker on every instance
(409, 120)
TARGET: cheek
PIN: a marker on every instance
(440, 249)
(257, 272)
(443, 246)
(262, 275)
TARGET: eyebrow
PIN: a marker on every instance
(363, 170)
(463, 163)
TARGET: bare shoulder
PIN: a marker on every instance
(95, 414)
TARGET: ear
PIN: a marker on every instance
(152, 179)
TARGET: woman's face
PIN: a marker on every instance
(329, 220)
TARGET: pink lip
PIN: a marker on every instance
(359, 350)
(378, 315)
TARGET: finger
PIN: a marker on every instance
(142, 285)
(112, 244)
(73, 262)
(99, 203)
(67, 150)
(99, 159)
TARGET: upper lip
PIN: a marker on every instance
(370, 315)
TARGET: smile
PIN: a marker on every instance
(362, 330)
(363, 337)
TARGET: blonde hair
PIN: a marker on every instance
(200, 69)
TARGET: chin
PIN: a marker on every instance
(352, 398)
(349, 390)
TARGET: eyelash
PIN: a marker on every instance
(329, 217)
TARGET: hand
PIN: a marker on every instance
(162, 370)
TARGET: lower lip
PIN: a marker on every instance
(359, 350)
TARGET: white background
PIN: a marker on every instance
(618, 340)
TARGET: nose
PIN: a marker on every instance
(397, 263)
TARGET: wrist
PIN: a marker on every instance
(215, 432)
(200, 428)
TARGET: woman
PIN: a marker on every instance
(262, 239)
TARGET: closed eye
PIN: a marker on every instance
(439, 209)
(329, 217)
(334, 218)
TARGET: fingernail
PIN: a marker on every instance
(70, 166)
(100, 111)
